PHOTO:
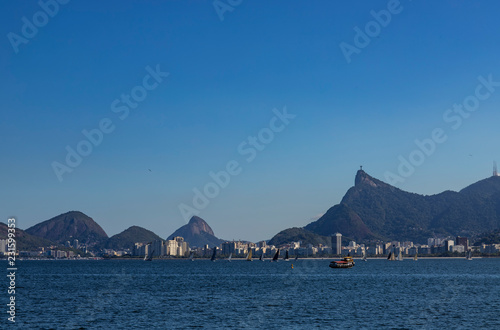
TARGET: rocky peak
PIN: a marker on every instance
(363, 178)
(198, 225)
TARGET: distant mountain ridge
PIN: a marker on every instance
(374, 210)
(197, 233)
(25, 241)
(69, 226)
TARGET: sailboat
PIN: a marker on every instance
(230, 255)
(415, 258)
(213, 254)
(149, 256)
(390, 256)
(364, 256)
(191, 256)
(286, 258)
(276, 256)
(400, 256)
(249, 255)
(296, 257)
(469, 255)
(262, 256)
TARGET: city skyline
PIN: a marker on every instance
(180, 95)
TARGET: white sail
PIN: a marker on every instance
(149, 256)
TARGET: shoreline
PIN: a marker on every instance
(241, 259)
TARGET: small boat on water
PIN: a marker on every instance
(364, 256)
(469, 255)
(213, 254)
(276, 256)
(149, 256)
(296, 257)
(230, 255)
(347, 262)
(400, 256)
(261, 258)
(392, 255)
(415, 258)
(286, 258)
(249, 255)
(191, 256)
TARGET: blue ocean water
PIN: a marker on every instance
(179, 294)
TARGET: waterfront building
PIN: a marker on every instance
(462, 241)
(157, 247)
(182, 248)
(171, 247)
(228, 248)
(412, 251)
(424, 249)
(373, 250)
(3, 246)
(490, 248)
(61, 254)
(337, 244)
(139, 249)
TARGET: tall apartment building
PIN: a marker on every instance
(337, 243)
(462, 241)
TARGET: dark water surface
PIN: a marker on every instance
(177, 294)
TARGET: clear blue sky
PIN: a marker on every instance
(225, 77)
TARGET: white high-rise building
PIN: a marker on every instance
(172, 248)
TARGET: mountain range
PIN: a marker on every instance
(77, 225)
(373, 210)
